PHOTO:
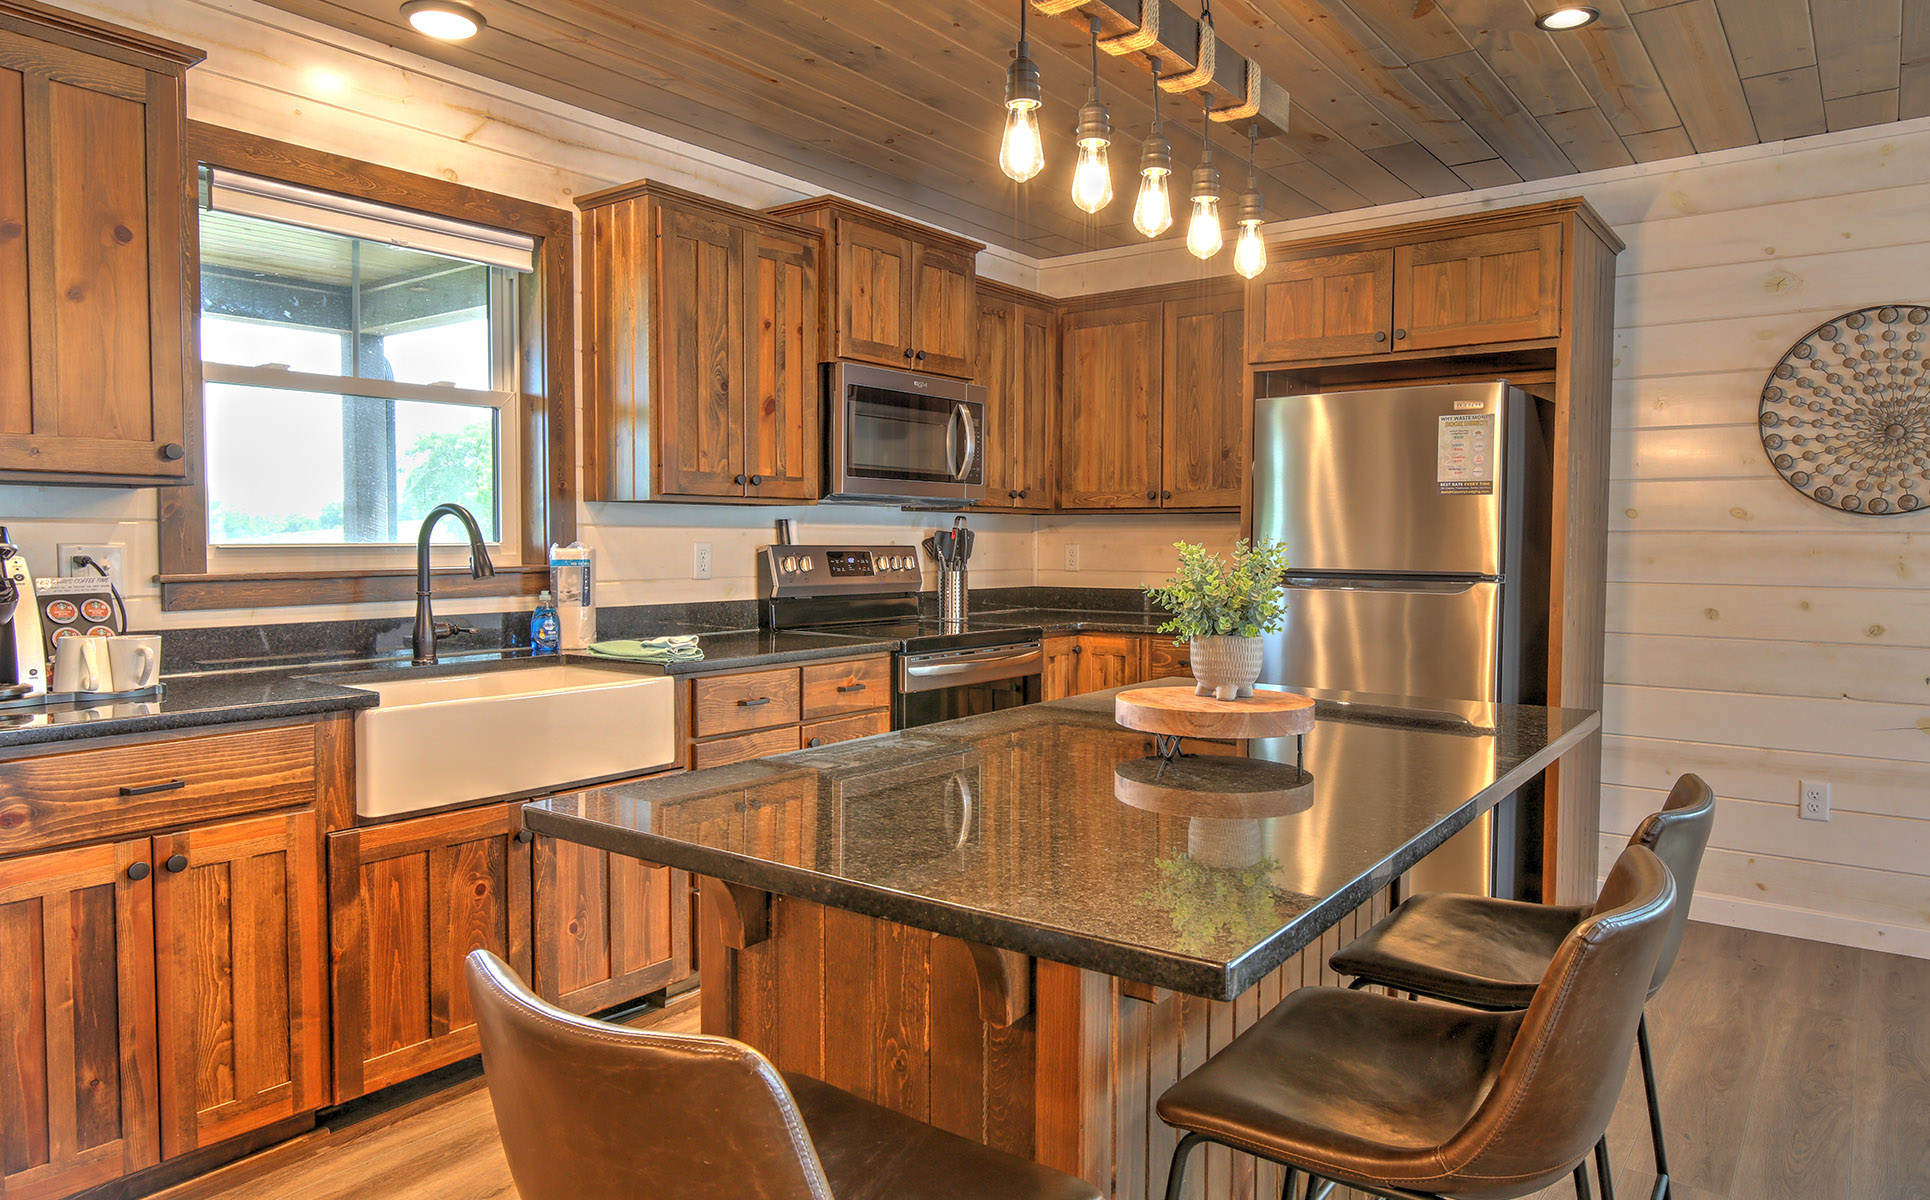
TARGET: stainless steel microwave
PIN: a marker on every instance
(902, 435)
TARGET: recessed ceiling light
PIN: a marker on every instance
(1572, 16)
(444, 19)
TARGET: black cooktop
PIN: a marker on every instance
(922, 635)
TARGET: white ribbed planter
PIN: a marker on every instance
(1225, 667)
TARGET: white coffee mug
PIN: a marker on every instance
(80, 665)
(134, 661)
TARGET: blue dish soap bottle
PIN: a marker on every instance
(544, 630)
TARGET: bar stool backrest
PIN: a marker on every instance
(594, 1111)
(1678, 835)
(1554, 1093)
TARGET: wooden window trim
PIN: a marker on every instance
(547, 489)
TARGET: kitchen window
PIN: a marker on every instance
(372, 343)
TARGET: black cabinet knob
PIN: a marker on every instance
(907, 351)
(1154, 495)
(1022, 492)
(738, 480)
(757, 481)
(1380, 335)
(1399, 334)
(139, 871)
(525, 836)
(816, 741)
(174, 451)
(921, 356)
(1011, 495)
(176, 863)
(1166, 495)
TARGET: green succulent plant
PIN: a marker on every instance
(1211, 597)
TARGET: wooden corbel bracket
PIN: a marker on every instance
(742, 914)
(1004, 983)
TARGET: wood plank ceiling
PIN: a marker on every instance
(898, 103)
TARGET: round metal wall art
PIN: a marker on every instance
(1845, 415)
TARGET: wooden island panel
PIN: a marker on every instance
(893, 1014)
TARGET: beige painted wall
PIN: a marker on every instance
(1754, 636)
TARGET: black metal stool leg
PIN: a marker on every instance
(1655, 1111)
(1581, 1182)
(1604, 1174)
(1176, 1174)
(1318, 1188)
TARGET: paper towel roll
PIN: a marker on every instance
(571, 584)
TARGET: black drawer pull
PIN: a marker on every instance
(139, 871)
(149, 789)
(754, 703)
(851, 687)
(176, 863)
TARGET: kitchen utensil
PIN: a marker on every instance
(80, 665)
(133, 661)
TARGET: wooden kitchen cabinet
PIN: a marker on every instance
(240, 977)
(1428, 292)
(408, 901)
(78, 1100)
(1108, 660)
(736, 716)
(1060, 676)
(896, 293)
(608, 929)
(1153, 401)
(701, 325)
(1019, 370)
(1166, 659)
(94, 376)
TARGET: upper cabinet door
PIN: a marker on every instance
(1035, 352)
(1204, 427)
(1109, 424)
(1322, 306)
(995, 373)
(782, 452)
(92, 230)
(942, 313)
(241, 977)
(874, 294)
(699, 393)
(1487, 287)
(76, 1019)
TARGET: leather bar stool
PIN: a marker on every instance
(593, 1111)
(1492, 954)
(1424, 1101)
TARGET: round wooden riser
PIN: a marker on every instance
(1177, 712)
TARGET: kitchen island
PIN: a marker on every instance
(1019, 928)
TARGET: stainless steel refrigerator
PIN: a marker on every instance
(1413, 517)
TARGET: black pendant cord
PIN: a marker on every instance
(1156, 125)
(1252, 140)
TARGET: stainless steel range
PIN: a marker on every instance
(940, 669)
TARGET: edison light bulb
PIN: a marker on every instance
(1153, 210)
(1250, 255)
(1022, 154)
(1092, 178)
(1203, 230)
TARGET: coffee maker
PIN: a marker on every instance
(23, 652)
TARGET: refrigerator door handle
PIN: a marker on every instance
(1431, 587)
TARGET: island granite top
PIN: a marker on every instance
(1044, 829)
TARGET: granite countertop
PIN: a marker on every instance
(1016, 830)
(315, 685)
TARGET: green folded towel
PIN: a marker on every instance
(681, 648)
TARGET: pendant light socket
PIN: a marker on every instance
(1095, 123)
(1206, 181)
(1022, 80)
(1157, 156)
(1253, 207)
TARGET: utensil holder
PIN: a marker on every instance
(953, 591)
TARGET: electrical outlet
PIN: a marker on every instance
(1815, 801)
(113, 556)
(700, 560)
(1072, 556)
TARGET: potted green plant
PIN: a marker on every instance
(1221, 608)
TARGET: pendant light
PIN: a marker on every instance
(1250, 255)
(1203, 235)
(1153, 210)
(1092, 177)
(1021, 153)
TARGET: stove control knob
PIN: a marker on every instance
(789, 564)
(895, 563)
(806, 563)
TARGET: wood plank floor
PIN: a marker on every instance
(1791, 1070)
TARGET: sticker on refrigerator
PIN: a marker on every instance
(1464, 462)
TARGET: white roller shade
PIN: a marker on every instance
(250, 196)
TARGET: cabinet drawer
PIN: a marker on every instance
(730, 703)
(1167, 659)
(845, 728)
(85, 795)
(746, 746)
(844, 687)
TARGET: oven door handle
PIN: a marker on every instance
(927, 673)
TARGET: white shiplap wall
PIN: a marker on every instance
(1754, 636)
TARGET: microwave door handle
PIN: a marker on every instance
(962, 417)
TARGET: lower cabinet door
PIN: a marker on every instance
(240, 979)
(1108, 660)
(77, 1091)
(1060, 677)
(608, 929)
(410, 900)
